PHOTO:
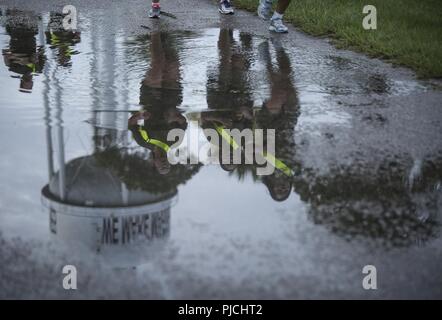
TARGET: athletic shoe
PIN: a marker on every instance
(265, 9)
(155, 11)
(277, 26)
(225, 7)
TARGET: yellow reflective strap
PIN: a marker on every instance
(32, 66)
(143, 134)
(68, 52)
(226, 136)
(54, 38)
(159, 144)
(278, 164)
(155, 142)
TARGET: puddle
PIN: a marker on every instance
(76, 165)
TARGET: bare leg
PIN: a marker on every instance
(282, 6)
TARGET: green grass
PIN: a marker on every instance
(409, 32)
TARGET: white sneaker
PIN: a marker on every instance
(276, 25)
(225, 7)
(155, 11)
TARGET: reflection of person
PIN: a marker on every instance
(62, 40)
(265, 9)
(23, 56)
(279, 112)
(161, 93)
(228, 93)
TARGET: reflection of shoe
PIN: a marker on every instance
(155, 11)
(277, 26)
(265, 9)
(225, 7)
(277, 44)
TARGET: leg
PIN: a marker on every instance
(282, 6)
(265, 9)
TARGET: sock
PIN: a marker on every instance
(277, 15)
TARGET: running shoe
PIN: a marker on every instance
(225, 7)
(155, 11)
(276, 25)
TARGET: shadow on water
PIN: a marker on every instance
(122, 191)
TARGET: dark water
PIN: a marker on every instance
(80, 185)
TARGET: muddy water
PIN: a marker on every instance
(85, 178)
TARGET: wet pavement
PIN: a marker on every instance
(85, 179)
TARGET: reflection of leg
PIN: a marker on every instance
(154, 75)
(276, 99)
(283, 60)
(246, 41)
(224, 43)
(171, 73)
(164, 71)
(264, 54)
(225, 58)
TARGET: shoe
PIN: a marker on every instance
(155, 11)
(277, 26)
(265, 9)
(225, 7)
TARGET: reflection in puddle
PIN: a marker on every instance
(110, 183)
(23, 57)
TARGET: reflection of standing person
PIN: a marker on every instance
(23, 56)
(229, 95)
(265, 9)
(227, 86)
(280, 112)
(161, 93)
(62, 40)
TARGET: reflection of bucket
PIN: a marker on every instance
(124, 236)
(91, 208)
